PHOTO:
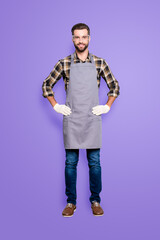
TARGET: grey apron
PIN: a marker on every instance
(82, 129)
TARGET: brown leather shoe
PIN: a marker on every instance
(69, 210)
(96, 209)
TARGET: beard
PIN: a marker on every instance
(81, 49)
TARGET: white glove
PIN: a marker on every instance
(62, 109)
(99, 109)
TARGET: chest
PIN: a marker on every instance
(67, 70)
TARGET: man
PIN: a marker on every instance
(82, 123)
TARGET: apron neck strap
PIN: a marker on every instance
(72, 58)
(92, 60)
(91, 57)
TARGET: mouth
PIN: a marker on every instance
(81, 45)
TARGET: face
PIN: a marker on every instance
(81, 39)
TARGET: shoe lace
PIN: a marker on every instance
(96, 204)
(69, 205)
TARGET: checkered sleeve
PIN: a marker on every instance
(52, 79)
(109, 78)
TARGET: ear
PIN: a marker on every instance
(89, 38)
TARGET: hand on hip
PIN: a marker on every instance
(100, 109)
(62, 109)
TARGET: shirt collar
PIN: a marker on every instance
(76, 58)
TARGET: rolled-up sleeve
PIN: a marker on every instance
(52, 79)
(112, 83)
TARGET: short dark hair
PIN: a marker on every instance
(80, 26)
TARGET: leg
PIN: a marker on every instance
(93, 156)
(72, 157)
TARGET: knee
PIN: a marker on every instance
(71, 163)
(94, 164)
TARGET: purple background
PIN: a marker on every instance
(34, 36)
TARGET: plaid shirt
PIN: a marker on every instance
(62, 69)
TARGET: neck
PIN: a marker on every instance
(82, 55)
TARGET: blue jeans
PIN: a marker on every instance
(93, 157)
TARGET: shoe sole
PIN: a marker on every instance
(68, 215)
(98, 215)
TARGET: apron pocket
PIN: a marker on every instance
(96, 117)
(83, 132)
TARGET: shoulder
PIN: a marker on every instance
(61, 63)
(96, 57)
(65, 60)
(100, 61)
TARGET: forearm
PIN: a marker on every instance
(52, 100)
(110, 101)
